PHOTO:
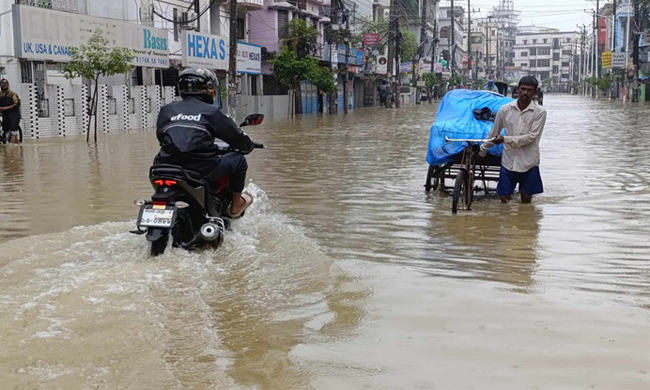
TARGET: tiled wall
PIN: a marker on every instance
(67, 109)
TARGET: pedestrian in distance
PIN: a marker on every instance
(523, 123)
(10, 109)
(491, 87)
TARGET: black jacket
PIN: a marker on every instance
(186, 131)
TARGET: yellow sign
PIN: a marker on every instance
(607, 59)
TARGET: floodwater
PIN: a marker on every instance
(343, 275)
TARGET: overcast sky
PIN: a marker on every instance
(562, 14)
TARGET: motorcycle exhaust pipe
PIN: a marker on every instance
(212, 232)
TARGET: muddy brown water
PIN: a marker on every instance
(343, 275)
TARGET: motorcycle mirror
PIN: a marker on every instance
(253, 119)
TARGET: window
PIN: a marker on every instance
(543, 63)
(525, 41)
(566, 52)
(556, 56)
(533, 51)
(556, 43)
(565, 76)
(533, 63)
(240, 29)
(283, 21)
(568, 40)
(555, 69)
(543, 51)
(565, 64)
(26, 75)
(534, 41)
(494, 32)
(545, 40)
(524, 65)
(524, 54)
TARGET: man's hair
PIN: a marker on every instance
(529, 80)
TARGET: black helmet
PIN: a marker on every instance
(199, 82)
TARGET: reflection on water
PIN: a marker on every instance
(344, 275)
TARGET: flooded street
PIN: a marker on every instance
(344, 274)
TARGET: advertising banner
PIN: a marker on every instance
(371, 39)
(607, 59)
(382, 64)
(43, 34)
(213, 52)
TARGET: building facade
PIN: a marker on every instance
(548, 55)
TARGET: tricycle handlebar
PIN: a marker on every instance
(447, 139)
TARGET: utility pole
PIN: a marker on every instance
(635, 55)
(583, 60)
(434, 40)
(232, 62)
(452, 52)
(597, 34)
(487, 49)
(346, 96)
(334, 53)
(613, 49)
(393, 29)
(423, 38)
(469, 39)
(398, 61)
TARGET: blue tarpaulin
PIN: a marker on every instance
(456, 120)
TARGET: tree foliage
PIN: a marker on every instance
(301, 37)
(95, 60)
(409, 46)
(291, 70)
(431, 79)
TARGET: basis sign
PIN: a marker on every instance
(43, 34)
(213, 52)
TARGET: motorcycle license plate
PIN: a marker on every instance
(156, 216)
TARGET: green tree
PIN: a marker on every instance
(96, 60)
(323, 79)
(430, 80)
(409, 46)
(291, 70)
(301, 37)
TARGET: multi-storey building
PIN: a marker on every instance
(547, 54)
(507, 20)
(449, 46)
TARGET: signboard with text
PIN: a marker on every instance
(355, 56)
(213, 52)
(618, 60)
(607, 59)
(371, 39)
(44, 34)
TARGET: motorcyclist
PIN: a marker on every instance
(186, 131)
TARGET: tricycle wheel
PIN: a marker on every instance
(432, 181)
(460, 189)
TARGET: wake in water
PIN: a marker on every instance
(89, 308)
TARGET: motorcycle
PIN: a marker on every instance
(187, 207)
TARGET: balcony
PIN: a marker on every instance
(252, 4)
